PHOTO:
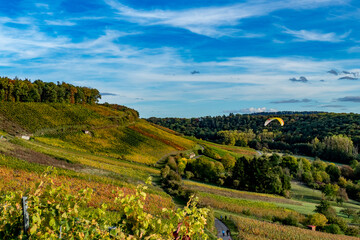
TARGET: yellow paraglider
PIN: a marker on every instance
(272, 119)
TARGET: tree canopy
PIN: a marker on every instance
(17, 90)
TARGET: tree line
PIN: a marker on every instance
(266, 174)
(257, 174)
(308, 133)
(17, 90)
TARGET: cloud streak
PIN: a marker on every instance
(216, 21)
(315, 35)
(305, 100)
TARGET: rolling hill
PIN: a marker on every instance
(107, 148)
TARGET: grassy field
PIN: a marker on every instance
(228, 192)
(223, 150)
(310, 198)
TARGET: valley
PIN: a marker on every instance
(121, 151)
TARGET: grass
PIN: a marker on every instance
(309, 198)
(223, 150)
(208, 188)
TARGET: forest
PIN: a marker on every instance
(330, 136)
(17, 90)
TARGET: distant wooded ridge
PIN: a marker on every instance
(299, 134)
(17, 90)
(284, 113)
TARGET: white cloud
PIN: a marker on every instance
(150, 74)
(59, 23)
(20, 20)
(257, 110)
(216, 21)
(42, 5)
(354, 49)
(314, 35)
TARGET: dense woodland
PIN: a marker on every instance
(330, 136)
(17, 90)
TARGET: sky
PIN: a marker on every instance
(191, 58)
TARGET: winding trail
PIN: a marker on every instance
(220, 228)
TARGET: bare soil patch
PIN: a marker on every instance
(11, 127)
(40, 158)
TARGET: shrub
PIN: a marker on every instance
(352, 231)
(317, 219)
(291, 220)
(332, 228)
(189, 175)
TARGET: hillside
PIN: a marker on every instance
(111, 130)
(103, 148)
(106, 147)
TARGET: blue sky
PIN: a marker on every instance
(191, 58)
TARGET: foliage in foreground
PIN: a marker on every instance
(55, 212)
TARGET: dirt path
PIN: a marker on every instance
(220, 228)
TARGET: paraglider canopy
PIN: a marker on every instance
(272, 119)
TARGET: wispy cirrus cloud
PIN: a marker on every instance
(305, 100)
(315, 35)
(332, 106)
(42, 5)
(60, 23)
(215, 21)
(108, 94)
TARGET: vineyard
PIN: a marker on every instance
(258, 209)
(58, 210)
(251, 229)
(134, 143)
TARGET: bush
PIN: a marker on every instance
(332, 228)
(317, 219)
(352, 231)
(291, 220)
(341, 223)
(220, 181)
(189, 175)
